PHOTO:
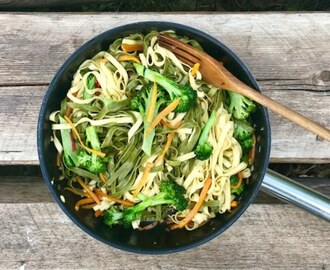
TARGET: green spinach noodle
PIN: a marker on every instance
(143, 140)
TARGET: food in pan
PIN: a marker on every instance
(143, 140)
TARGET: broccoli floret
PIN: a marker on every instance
(170, 194)
(233, 182)
(96, 164)
(92, 163)
(243, 130)
(247, 145)
(243, 133)
(184, 93)
(240, 106)
(141, 102)
(83, 159)
(113, 216)
(204, 149)
(77, 157)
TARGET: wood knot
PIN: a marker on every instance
(321, 78)
(325, 75)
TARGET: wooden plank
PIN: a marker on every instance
(19, 111)
(20, 105)
(40, 236)
(281, 48)
(289, 58)
(32, 189)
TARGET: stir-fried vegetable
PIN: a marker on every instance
(142, 139)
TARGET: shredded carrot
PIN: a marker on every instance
(252, 152)
(197, 206)
(82, 202)
(68, 111)
(127, 57)
(131, 47)
(167, 124)
(103, 195)
(103, 178)
(143, 179)
(195, 69)
(233, 204)
(151, 111)
(88, 190)
(166, 147)
(98, 213)
(75, 131)
(88, 206)
(240, 180)
(171, 107)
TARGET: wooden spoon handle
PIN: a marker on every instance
(230, 82)
(286, 112)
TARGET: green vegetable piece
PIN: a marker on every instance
(141, 102)
(184, 93)
(113, 216)
(240, 106)
(170, 194)
(243, 132)
(90, 85)
(204, 149)
(97, 164)
(69, 147)
(233, 182)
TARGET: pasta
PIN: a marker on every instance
(136, 158)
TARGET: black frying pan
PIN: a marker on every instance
(157, 240)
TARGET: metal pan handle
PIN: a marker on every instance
(290, 191)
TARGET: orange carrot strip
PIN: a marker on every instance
(88, 190)
(98, 213)
(151, 111)
(68, 111)
(240, 180)
(166, 147)
(131, 47)
(171, 107)
(143, 179)
(126, 57)
(82, 202)
(195, 69)
(233, 204)
(197, 206)
(103, 178)
(75, 131)
(88, 206)
(123, 202)
(167, 124)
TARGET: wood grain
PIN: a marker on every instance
(287, 53)
(39, 236)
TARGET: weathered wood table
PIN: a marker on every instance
(290, 57)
